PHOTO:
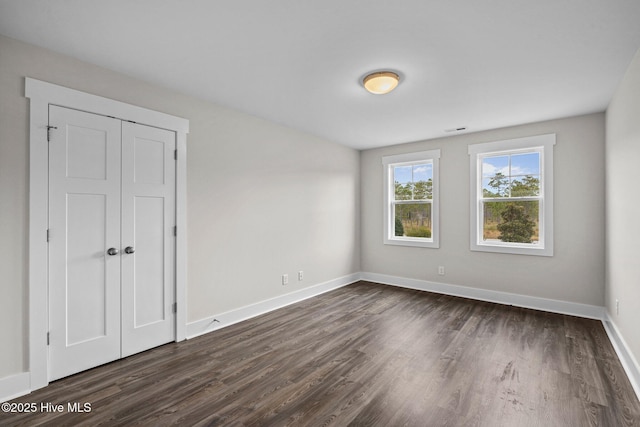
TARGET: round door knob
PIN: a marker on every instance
(129, 250)
(112, 251)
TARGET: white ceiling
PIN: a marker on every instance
(482, 64)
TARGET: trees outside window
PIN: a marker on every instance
(411, 199)
(512, 196)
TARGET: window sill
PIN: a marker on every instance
(419, 243)
(513, 249)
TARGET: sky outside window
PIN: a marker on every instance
(415, 173)
(515, 168)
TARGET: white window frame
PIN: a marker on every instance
(477, 152)
(389, 162)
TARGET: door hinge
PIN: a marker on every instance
(175, 230)
(175, 307)
(48, 341)
(48, 234)
(49, 127)
(175, 154)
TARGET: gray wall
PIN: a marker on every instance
(262, 199)
(623, 207)
(575, 273)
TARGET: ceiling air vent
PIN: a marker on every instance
(460, 129)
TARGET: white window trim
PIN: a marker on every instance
(412, 158)
(545, 144)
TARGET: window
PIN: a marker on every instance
(411, 199)
(512, 196)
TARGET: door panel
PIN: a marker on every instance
(86, 153)
(149, 297)
(86, 279)
(148, 212)
(84, 221)
(149, 161)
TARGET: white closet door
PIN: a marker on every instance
(84, 222)
(148, 218)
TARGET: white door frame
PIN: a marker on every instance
(43, 94)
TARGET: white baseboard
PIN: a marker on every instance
(19, 384)
(228, 318)
(15, 386)
(629, 362)
(543, 304)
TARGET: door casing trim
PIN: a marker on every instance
(41, 95)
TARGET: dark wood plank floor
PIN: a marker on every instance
(363, 355)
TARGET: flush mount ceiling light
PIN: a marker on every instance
(381, 82)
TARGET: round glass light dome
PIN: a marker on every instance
(381, 82)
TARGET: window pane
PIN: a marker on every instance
(525, 164)
(403, 192)
(413, 182)
(495, 165)
(413, 220)
(515, 222)
(423, 182)
(403, 182)
(423, 190)
(525, 186)
(495, 186)
(402, 174)
(422, 172)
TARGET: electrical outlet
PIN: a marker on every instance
(300, 275)
(617, 307)
(441, 270)
(285, 279)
